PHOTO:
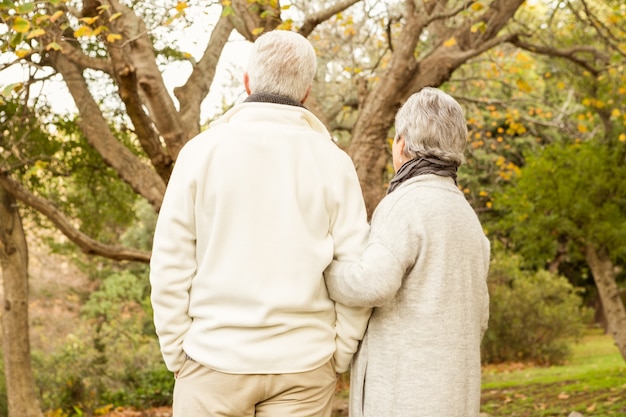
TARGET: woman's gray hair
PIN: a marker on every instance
(433, 125)
(282, 63)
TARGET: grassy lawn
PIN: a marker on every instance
(592, 382)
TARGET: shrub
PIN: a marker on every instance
(534, 316)
(113, 356)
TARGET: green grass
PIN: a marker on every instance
(592, 382)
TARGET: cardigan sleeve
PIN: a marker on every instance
(376, 277)
(349, 229)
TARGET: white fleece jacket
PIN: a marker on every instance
(256, 208)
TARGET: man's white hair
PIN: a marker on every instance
(432, 124)
(282, 63)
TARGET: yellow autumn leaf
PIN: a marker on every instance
(478, 27)
(181, 6)
(582, 128)
(54, 46)
(56, 16)
(622, 137)
(524, 86)
(450, 42)
(21, 25)
(286, 25)
(115, 16)
(83, 31)
(616, 113)
(112, 37)
(36, 33)
(39, 20)
(99, 30)
(90, 20)
(257, 31)
(21, 53)
(349, 31)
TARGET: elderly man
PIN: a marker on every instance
(256, 208)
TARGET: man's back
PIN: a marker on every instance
(273, 199)
(254, 211)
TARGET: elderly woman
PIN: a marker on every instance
(424, 270)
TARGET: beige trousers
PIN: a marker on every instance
(203, 392)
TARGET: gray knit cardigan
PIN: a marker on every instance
(425, 271)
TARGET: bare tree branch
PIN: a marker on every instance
(601, 29)
(64, 224)
(443, 16)
(197, 87)
(251, 15)
(567, 53)
(136, 60)
(131, 169)
(75, 55)
(311, 21)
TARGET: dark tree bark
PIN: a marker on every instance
(22, 395)
(408, 73)
(603, 272)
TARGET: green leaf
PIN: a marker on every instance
(16, 39)
(21, 25)
(25, 8)
(479, 27)
(6, 91)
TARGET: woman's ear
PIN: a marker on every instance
(401, 144)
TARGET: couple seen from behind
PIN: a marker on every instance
(268, 281)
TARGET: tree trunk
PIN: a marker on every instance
(406, 75)
(21, 390)
(604, 276)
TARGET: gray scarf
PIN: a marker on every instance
(421, 166)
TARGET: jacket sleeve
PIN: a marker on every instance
(349, 229)
(173, 265)
(376, 277)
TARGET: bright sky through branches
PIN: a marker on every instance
(188, 38)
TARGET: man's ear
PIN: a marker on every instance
(246, 82)
(306, 95)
